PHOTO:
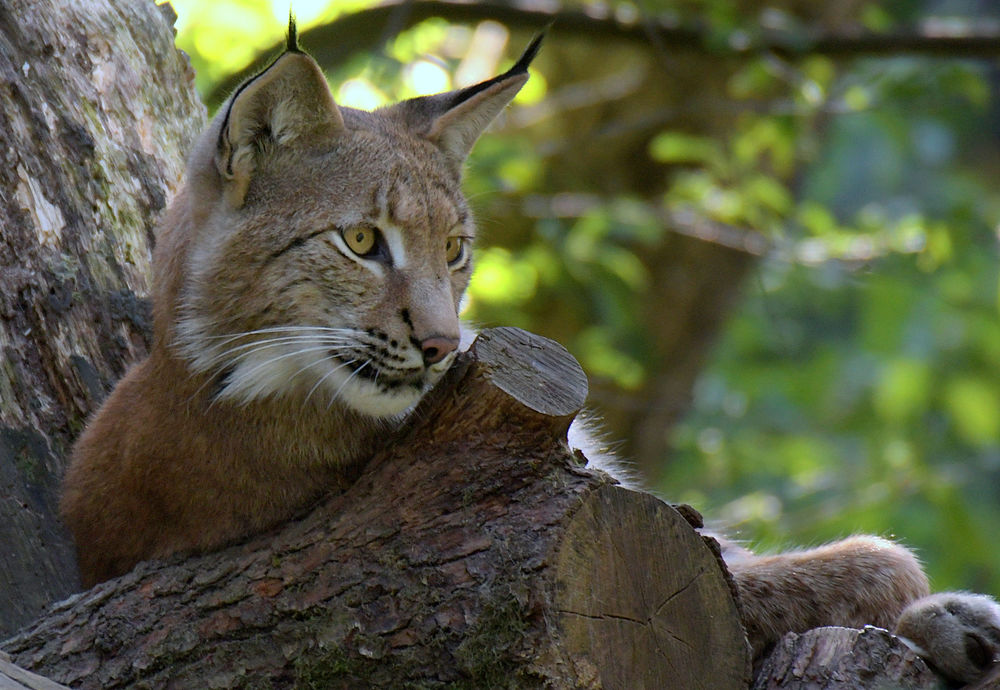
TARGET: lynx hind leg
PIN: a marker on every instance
(859, 581)
(957, 632)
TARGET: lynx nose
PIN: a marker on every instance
(437, 348)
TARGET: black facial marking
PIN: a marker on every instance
(366, 371)
(220, 383)
(405, 316)
(295, 244)
(386, 354)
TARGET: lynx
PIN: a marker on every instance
(307, 281)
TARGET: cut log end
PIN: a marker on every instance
(537, 372)
(513, 390)
(643, 600)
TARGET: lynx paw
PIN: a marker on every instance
(957, 632)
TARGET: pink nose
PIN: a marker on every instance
(437, 348)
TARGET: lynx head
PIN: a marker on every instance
(330, 247)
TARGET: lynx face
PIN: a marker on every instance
(340, 276)
(332, 257)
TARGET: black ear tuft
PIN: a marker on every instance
(292, 44)
(529, 53)
(520, 67)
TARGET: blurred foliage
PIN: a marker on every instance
(856, 385)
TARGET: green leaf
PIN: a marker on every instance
(903, 389)
(974, 407)
(677, 147)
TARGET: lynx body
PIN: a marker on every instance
(307, 283)
(306, 287)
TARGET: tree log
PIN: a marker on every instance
(846, 659)
(96, 109)
(475, 551)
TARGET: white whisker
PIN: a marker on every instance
(274, 342)
(336, 393)
(325, 377)
(268, 362)
(283, 329)
(226, 359)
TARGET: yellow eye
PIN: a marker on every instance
(454, 250)
(360, 239)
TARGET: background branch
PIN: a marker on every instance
(367, 30)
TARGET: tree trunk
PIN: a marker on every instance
(92, 147)
(475, 551)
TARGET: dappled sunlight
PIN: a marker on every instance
(360, 93)
(425, 78)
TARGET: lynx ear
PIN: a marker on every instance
(289, 104)
(454, 120)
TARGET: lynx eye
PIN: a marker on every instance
(454, 250)
(361, 239)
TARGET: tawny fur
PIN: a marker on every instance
(854, 582)
(241, 417)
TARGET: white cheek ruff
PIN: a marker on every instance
(260, 363)
(325, 365)
(367, 393)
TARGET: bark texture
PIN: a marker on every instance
(845, 659)
(96, 109)
(15, 678)
(476, 552)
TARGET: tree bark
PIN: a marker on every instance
(475, 551)
(847, 659)
(15, 678)
(96, 109)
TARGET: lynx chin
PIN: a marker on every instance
(307, 280)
